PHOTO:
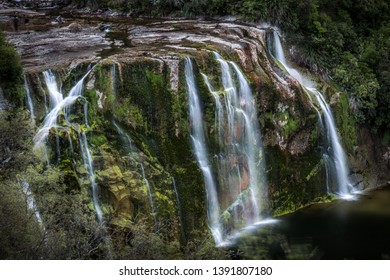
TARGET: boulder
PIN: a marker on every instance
(75, 27)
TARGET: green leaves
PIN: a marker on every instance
(10, 72)
(253, 10)
(361, 83)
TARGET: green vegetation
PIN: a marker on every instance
(346, 41)
(69, 229)
(10, 72)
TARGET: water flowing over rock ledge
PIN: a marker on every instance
(138, 81)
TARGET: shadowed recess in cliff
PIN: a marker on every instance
(235, 181)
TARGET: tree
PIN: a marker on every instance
(10, 72)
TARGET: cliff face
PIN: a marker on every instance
(133, 109)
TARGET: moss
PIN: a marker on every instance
(290, 125)
(68, 79)
(92, 98)
(294, 180)
(315, 170)
(313, 138)
(97, 139)
(132, 114)
(156, 119)
(65, 164)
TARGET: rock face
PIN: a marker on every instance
(75, 27)
(144, 163)
(58, 46)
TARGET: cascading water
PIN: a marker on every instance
(85, 106)
(199, 145)
(131, 150)
(335, 150)
(43, 93)
(179, 207)
(128, 146)
(113, 77)
(240, 146)
(91, 173)
(151, 202)
(60, 105)
(30, 200)
(125, 137)
(70, 145)
(236, 202)
(29, 100)
(219, 112)
(334, 155)
(54, 93)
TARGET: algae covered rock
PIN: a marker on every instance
(134, 111)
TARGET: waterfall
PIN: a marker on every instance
(129, 148)
(151, 202)
(43, 93)
(88, 161)
(236, 194)
(335, 149)
(31, 204)
(125, 138)
(58, 150)
(85, 107)
(251, 143)
(54, 93)
(334, 155)
(242, 142)
(60, 105)
(219, 112)
(29, 100)
(113, 77)
(200, 149)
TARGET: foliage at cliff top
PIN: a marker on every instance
(10, 72)
(345, 40)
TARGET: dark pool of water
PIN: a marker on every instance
(341, 229)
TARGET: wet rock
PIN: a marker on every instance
(112, 181)
(357, 181)
(173, 66)
(58, 48)
(300, 143)
(75, 27)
